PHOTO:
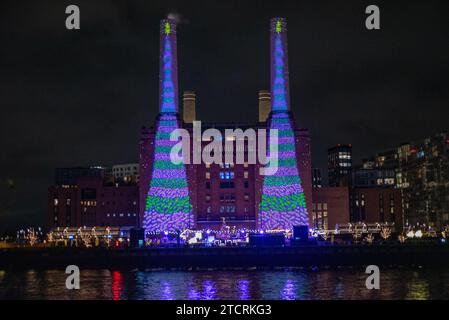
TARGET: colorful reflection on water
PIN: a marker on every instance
(240, 285)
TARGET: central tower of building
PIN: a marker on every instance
(167, 206)
(283, 203)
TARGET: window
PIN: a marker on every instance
(246, 184)
(245, 174)
(207, 185)
(207, 197)
(207, 175)
(225, 185)
(226, 175)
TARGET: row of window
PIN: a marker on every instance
(228, 175)
(228, 197)
(226, 209)
(120, 215)
(227, 184)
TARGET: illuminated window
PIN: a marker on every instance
(207, 175)
(55, 201)
(245, 174)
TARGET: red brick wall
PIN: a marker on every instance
(337, 200)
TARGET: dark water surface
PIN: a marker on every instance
(282, 284)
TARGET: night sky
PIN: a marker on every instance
(75, 98)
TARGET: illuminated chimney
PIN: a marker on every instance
(189, 106)
(264, 105)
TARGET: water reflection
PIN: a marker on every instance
(166, 291)
(244, 289)
(288, 292)
(116, 285)
(283, 284)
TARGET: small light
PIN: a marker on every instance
(166, 233)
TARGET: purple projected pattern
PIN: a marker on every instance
(283, 204)
(168, 205)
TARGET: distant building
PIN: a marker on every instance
(380, 171)
(423, 177)
(126, 172)
(340, 165)
(92, 200)
(330, 207)
(316, 178)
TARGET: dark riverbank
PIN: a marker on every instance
(225, 257)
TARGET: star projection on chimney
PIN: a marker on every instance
(283, 204)
(168, 206)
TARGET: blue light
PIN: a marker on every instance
(279, 86)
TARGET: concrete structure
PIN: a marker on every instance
(264, 105)
(189, 106)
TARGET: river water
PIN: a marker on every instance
(278, 284)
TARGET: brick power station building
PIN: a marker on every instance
(234, 192)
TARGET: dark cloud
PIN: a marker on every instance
(80, 97)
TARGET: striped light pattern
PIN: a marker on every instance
(283, 203)
(168, 206)
(279, 67)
